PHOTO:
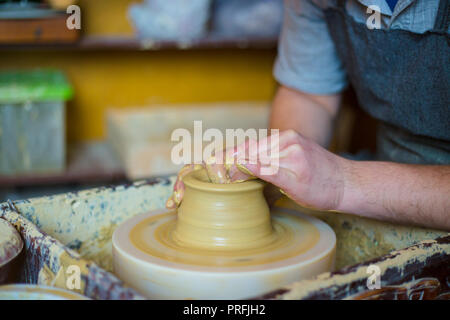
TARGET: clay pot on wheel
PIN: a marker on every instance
(222, 216)
(223, 242)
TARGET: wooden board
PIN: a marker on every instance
(43, 30)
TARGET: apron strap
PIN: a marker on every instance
(341, 4)
(443, 16)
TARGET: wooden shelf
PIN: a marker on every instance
(96, 43)
(87, 163)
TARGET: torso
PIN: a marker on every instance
(401, 78)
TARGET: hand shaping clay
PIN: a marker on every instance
(223, 243)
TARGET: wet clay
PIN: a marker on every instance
(291, 236)
(222, 216)
(223, 225)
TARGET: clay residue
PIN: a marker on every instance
(47, 260)
(77, 219)
(100, 247)
(332, 281)
(64, 274)
(361, 239)
(293, 237)
(10, 242)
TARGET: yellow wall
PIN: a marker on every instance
(133, 78)
(106, 16)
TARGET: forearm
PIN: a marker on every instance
(310, 115)
(411, 194)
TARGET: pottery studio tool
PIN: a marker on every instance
(11, 246)
(223, 242)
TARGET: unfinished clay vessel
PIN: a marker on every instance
(223, 216)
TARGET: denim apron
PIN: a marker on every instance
(402, 79)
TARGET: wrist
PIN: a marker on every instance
(350, 194)
(362, 188)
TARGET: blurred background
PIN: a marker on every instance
(95, 105)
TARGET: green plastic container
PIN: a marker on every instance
(32, 121)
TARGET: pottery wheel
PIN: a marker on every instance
(148, 258)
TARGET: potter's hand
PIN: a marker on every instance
(221, 168)
(305, 172)
(178, 189)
